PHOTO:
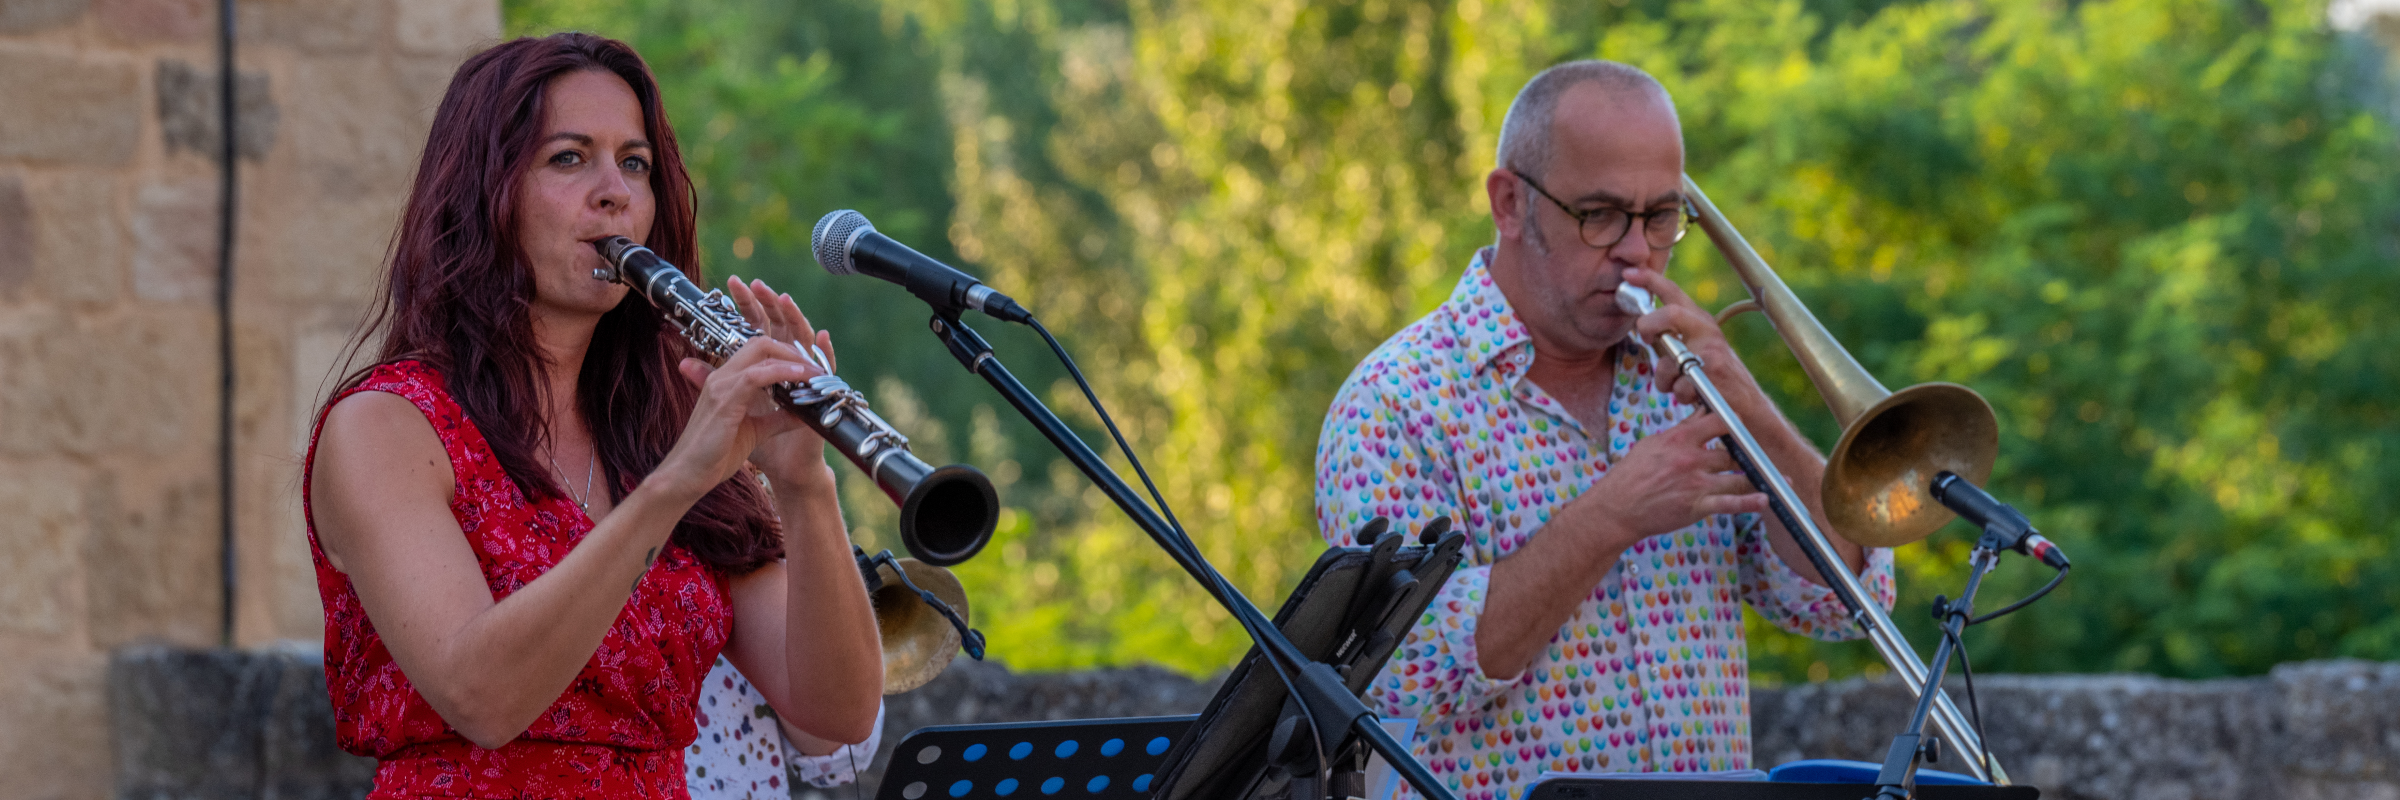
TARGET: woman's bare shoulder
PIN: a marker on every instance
(378, 459)
(381, 424)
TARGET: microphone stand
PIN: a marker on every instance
(1898, 778)
(1336, 712)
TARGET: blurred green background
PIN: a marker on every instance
(2161, 237)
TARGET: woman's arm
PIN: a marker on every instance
(804, 630)
(381, 494)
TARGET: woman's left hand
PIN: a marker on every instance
(790, 454)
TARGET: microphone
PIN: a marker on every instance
(847, 244)
(1979, 507)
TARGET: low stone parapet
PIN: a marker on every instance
(2309, 730)
(255, 724)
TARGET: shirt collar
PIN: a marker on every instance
(1485, 324)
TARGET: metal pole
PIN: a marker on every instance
(226, 227)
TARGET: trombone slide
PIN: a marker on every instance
(1785, 502)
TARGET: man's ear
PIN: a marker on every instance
(1507, 195)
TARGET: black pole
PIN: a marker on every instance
(1898, 778)
(1335, 710)
(225, 232)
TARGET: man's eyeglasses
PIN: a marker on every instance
(1603, 227)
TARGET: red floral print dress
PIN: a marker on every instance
(618, 730)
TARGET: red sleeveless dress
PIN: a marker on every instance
(617, 731)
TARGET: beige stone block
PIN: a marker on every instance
(335, 253)
(157, 20)
(66, 109)
(317, 27)
(136, 382)
(423, 81)
(80, 240)
(175, 241)
(41, 531)
(54, 742)
(27, 16)
(445, 27)
(352, 123)
(16, 235)
(152, 561)
(318, 365)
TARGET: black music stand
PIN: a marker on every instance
(1351, 611)
(1084, 758)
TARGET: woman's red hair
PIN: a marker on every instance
(458, 294)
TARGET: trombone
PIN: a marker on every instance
(1879, 478)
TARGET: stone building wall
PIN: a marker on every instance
(108, 369)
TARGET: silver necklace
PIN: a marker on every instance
(584, 501)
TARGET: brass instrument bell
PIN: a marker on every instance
(1879, 478)
(920, 637)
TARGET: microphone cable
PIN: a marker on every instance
(1966, 665)
(1216, 580)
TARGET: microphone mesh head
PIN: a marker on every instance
(832, 239)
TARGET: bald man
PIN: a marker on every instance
(1596, 624)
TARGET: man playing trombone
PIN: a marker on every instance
(1596, 624)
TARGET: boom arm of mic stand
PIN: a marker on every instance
(1794, 515)
(1329, 701)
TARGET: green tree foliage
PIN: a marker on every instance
(2157, 235)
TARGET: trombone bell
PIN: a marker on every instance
(917, 642)
(1879, 479)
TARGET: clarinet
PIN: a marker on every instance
(946, 514)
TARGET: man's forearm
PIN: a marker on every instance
(1535, 589)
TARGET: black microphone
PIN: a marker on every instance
(1979, 507)
(847, 244)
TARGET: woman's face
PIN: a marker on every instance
(590, 179)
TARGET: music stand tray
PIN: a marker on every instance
(1099, 759)
(1671, 789)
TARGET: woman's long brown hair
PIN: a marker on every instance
(458, 294)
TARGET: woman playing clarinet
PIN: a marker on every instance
(536, 520)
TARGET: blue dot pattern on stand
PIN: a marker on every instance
(1141, 784)
(1112, 747)
(1020, 751)
(961, 788)
(1650, 674)
(1157, 746)
(1052, 785)
(1097, 783)
(974, 752)
(1066, 748)
(1006, 787)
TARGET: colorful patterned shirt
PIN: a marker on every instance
(1650, 674)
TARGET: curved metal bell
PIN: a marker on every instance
(1879, 479)
(917, 641)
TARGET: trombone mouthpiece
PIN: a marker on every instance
(1634, 299)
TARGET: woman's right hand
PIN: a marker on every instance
(733, 415)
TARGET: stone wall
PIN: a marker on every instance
(246, 724)
(108, 368)
(2317, 730)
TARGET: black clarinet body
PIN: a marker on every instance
(946, 513)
